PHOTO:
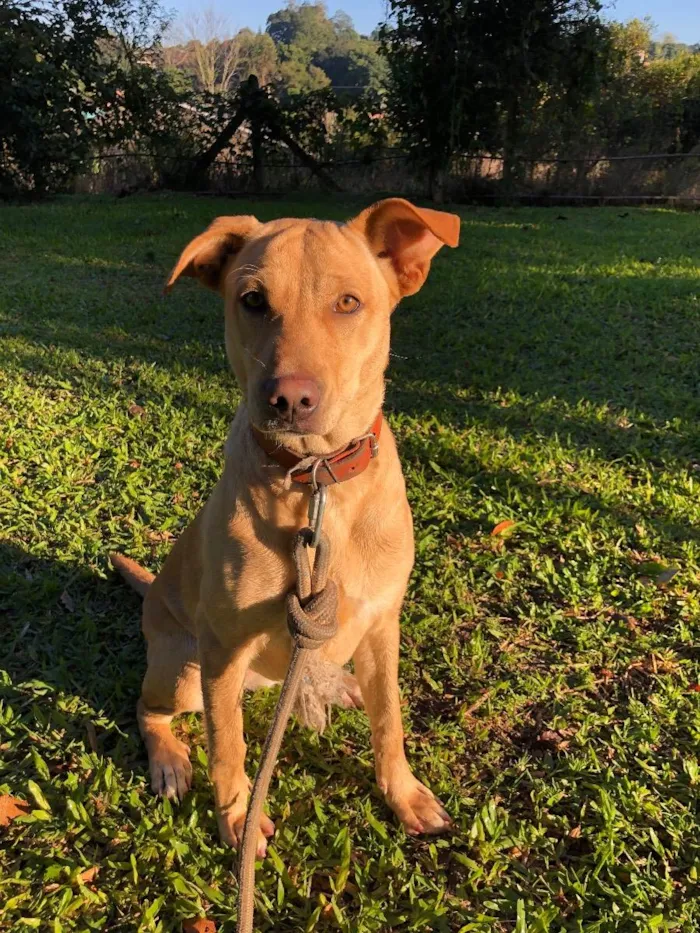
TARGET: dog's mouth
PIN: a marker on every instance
(279, 429)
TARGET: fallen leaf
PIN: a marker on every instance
(11, 808)
(67, 601)
(557, 741)
(91, 735)
(652, 571)
(502, 526)
(89, 874)
(666, 575)
(575, 833)
(198, 925)
(157, 537)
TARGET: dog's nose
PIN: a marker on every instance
(294, 398)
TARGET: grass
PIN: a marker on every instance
(547, 377)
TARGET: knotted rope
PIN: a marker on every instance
(312, 618)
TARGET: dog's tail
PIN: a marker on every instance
(135, 575)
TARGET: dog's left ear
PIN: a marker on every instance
(408, 237)
(205, 257)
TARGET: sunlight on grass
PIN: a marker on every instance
(547, 378)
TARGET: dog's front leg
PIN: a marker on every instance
(223, 675)
(377, 668)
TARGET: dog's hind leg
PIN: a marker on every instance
(172, 685)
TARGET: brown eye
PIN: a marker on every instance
(253, 301)
(348, 304)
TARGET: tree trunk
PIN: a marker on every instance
(510, 148)
(258, 166)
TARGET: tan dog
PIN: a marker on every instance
(308, 306)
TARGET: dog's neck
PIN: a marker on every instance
(302, 447)
(328, 469)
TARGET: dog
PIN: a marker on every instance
(308, 306)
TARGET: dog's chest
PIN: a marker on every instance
(355, 616)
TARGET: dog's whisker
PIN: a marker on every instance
(254, 357)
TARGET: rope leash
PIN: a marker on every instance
(312, 618)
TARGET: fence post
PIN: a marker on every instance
(258, 164)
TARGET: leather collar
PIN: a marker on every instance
(335, 467)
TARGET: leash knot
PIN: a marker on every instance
(312, 609)
(313, 624)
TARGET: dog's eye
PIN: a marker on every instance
(253, 301)
(348, 304)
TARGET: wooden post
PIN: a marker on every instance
(258, 166)
(197, 171)
(307, 159)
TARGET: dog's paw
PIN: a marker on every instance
(231, 824)
(171, 771)
(419, 809)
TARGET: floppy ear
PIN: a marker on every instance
(408, 236)
(205, 257)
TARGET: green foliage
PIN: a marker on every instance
(73, 77)
(464, 74)
(258, 56)
(546, 376)
(316, 51)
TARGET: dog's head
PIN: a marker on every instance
(308, 306)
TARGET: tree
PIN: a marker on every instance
(74, 72)
(258, 56)
(464, 73)
(434, 83)
(316, 51)
(204, 44)
(532, 45)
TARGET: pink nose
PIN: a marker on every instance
(293, 398)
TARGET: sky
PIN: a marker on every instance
(680, 17)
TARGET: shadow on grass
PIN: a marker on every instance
(73, 639)
(73, 646)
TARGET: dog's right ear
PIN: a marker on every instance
(205, 257)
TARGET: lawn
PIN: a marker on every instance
(544, 390)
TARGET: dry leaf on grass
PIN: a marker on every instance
(199, 925)
(89, 874)
(67, 601)
(157, 537)
(501, 527)
(11, 808)
(556, 740)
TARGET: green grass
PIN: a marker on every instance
(547, 375)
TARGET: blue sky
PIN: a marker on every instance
(681, 17)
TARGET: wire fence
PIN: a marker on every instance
(672, 177)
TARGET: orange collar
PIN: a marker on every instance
(335, 467)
